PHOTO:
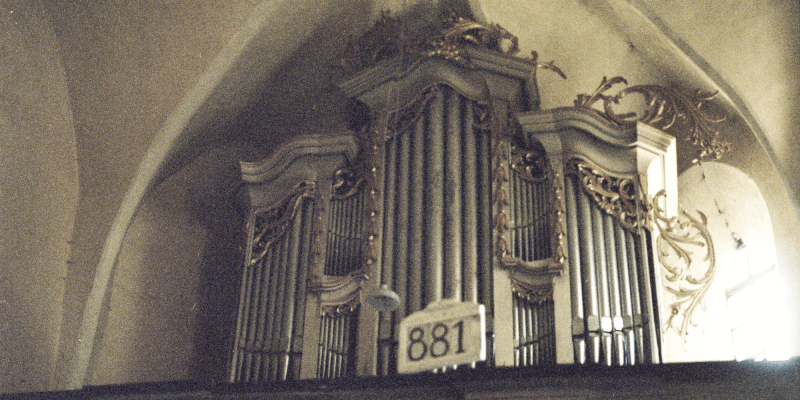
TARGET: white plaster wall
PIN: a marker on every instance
(38, 195)
(734, 208)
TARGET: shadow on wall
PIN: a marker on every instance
(174, 295)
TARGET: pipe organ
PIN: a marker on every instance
(452, 185)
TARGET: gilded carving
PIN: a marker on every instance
(460, 31)
(534, 294)
(559, 222)
(665, 108)
(271, 224)
(530, 164)
(614, 195)
(688, 283)
(337, 310)
(501, 198)
(391, 37)
(346, 182)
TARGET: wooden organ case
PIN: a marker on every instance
(453, 185)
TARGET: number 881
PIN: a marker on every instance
(418, 348)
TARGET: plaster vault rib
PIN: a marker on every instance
(175, 136)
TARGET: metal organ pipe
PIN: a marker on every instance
(452, 197)
(589, 278)
(415, 261)
(601, 279)
(287, 317)
(485, 248)
(576, 281)
(470, 208)
(434, 199)
(637, 305)
(614, 285)
(401, 216)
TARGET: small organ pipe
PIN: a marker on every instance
(601, 267)
(323, 349)
(261, 306)
(244, 320)
(527, 211)
(516, 216)
(517, 334)
(542, 201)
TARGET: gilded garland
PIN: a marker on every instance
(665, 108)
(534, 294)
(334, 311)
(687, 282)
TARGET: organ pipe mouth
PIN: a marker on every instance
(383, 299)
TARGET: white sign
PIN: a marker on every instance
(445, 333)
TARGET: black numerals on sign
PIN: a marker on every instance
(460, 326)
(440, 346)
(439, 338)
(415, 342)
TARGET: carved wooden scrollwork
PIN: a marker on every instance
(665, 108)
(617, 196)
(688, 281)
(459, 31)
(271, 224)
(391, 37)
(530, 164)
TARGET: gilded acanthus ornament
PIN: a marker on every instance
(614, 195)
(500, 177)
(271, 224)
(666, 108)
(687, 281)
(391, 37)
(460, 31)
